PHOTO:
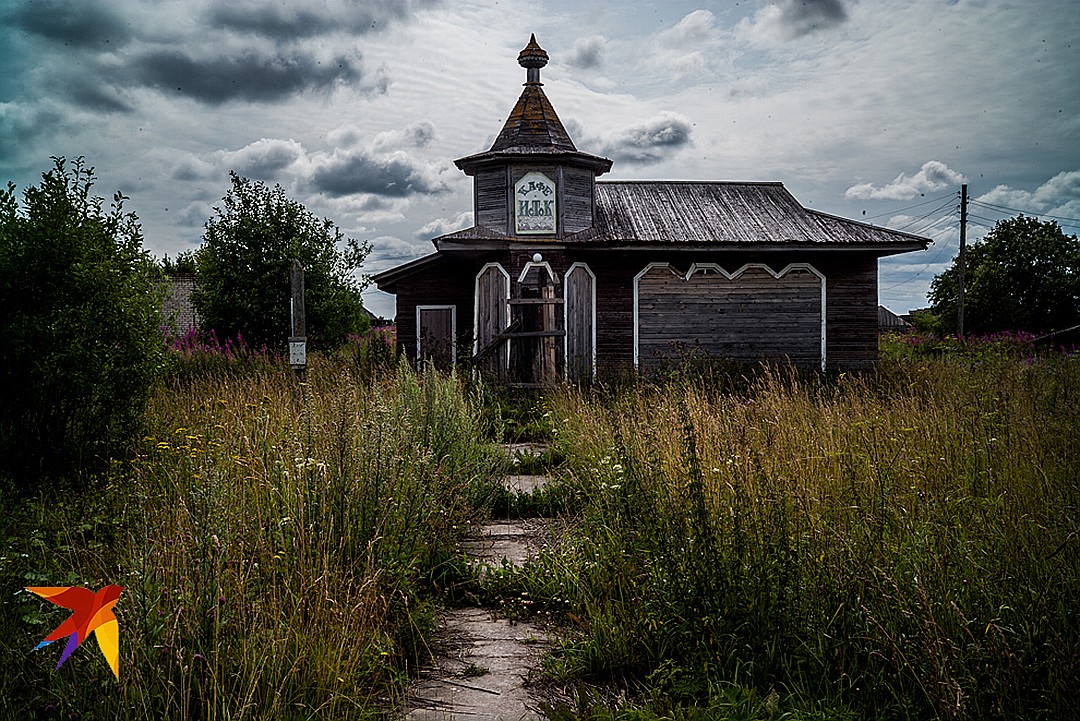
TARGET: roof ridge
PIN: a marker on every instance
(611, 181)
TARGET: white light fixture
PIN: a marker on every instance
(537, 257)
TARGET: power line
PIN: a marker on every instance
(901, 210)
(937, 256)
(980, 217)
(1034, 213)
(924, 217)
(933, 222)
(920, 271)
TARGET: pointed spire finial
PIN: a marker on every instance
(532, 58)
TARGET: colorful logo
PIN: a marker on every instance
(92, 613)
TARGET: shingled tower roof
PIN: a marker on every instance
(533, 122)
(533, 127)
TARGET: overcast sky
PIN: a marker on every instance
(871, 109)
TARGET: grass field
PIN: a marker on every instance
(895, 544)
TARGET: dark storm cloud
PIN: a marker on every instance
(91, 94)
(21, 125)
(291, 21)
(796, 18)
(648, 142)
(213, 56)
(587, 52)
(806, 16)
(74, 24)
(396, 175)
(247, 76)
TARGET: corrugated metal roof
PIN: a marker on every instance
(387, 280)
(713, 213)
(722, 212)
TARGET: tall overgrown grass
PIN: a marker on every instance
(900, 544)
(897, 544)
(281, 548)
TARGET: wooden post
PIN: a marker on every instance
(297, 322)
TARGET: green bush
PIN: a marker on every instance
(80, 325)
(244, 266)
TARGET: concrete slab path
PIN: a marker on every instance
(484, 666)
(483, 670)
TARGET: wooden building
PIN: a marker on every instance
(563, 273)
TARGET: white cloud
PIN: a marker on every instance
(264, 159)
(1058, 196)
(389, 250)
(688, 48)
(932, 177)
(442, 226)
(695, 28)
(415, 135)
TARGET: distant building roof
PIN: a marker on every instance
(887, 320)
(712, 213)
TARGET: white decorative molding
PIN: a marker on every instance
(706, 267)
(533, 264)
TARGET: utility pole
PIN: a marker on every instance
(961, 261)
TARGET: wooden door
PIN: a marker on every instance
(436, 331)
(580, 290)
(492, 318)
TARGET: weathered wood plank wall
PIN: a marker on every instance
(491, 204)
(851, 294)
(754, 315)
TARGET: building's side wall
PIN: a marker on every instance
(444, 283)
(851, 309)
(491, 203)
(742, 314)
(177, 311)
(850, 296)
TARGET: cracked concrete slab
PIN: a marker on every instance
(514, 541)
(483, 670)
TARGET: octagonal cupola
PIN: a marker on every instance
(533, 183)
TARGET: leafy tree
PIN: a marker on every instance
(183, 264)
(80, 325)
(243, 269)
(1024, 275)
